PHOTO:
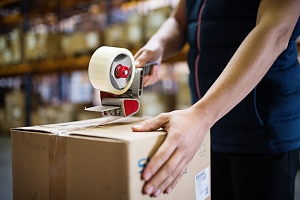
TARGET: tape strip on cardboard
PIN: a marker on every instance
(57, 167)
(66, 129)
(57, 151)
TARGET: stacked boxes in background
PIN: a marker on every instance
(85, 36)
(80, 43)
(3, 125)
(115, 35)
(154, 20)
(135, 31)
(31, 46)
(10, 47)
(14, 109)
(55, 45)
(15, 38)
(41, 45)
(2, 48)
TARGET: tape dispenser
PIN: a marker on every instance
(112, 72)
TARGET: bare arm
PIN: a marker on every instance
(172, 35)
(186, 128)
(168, 40)
(276, 20)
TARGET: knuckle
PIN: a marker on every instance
(177, 172)
(163, 115)
(178, 137)
(170, 169)
(162, 156)
(149, 123)
(149, 51)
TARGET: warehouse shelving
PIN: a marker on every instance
(28, 68)
(49, 65)
(64, 64)
(7, 2)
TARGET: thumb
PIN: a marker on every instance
(141, 58)
(148, 125)
(139, 63)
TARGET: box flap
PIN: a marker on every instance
(106, 127)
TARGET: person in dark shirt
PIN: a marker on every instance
(245, 84)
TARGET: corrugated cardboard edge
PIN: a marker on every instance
(78, 127)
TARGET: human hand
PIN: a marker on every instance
(151, 52)
(185, 132)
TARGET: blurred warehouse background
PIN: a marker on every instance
(46, 47)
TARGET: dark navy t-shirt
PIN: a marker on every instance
(268, 119)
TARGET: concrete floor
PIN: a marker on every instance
(6, 172)
(5, 169)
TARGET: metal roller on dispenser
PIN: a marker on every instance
(112, 71)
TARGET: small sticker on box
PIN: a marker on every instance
(202, 184)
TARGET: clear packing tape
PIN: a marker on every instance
(65, 129)
(102, 68)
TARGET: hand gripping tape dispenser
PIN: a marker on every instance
(112, 71)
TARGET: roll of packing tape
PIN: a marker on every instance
(111, 69)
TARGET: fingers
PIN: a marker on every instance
(146, 81)
(143, 57)
(171, 183)
(167, 176)
(149, 53)
(153, 78)
(150, 124)
(161, 156)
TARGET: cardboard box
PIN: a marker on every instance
(75, 161)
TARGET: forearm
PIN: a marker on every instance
(172, 34)
(247, 67)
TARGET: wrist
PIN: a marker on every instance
(204, 113)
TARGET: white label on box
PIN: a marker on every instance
(202, 184)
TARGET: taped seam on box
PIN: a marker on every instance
(57, 167)
(65, 130)
(57, 157)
